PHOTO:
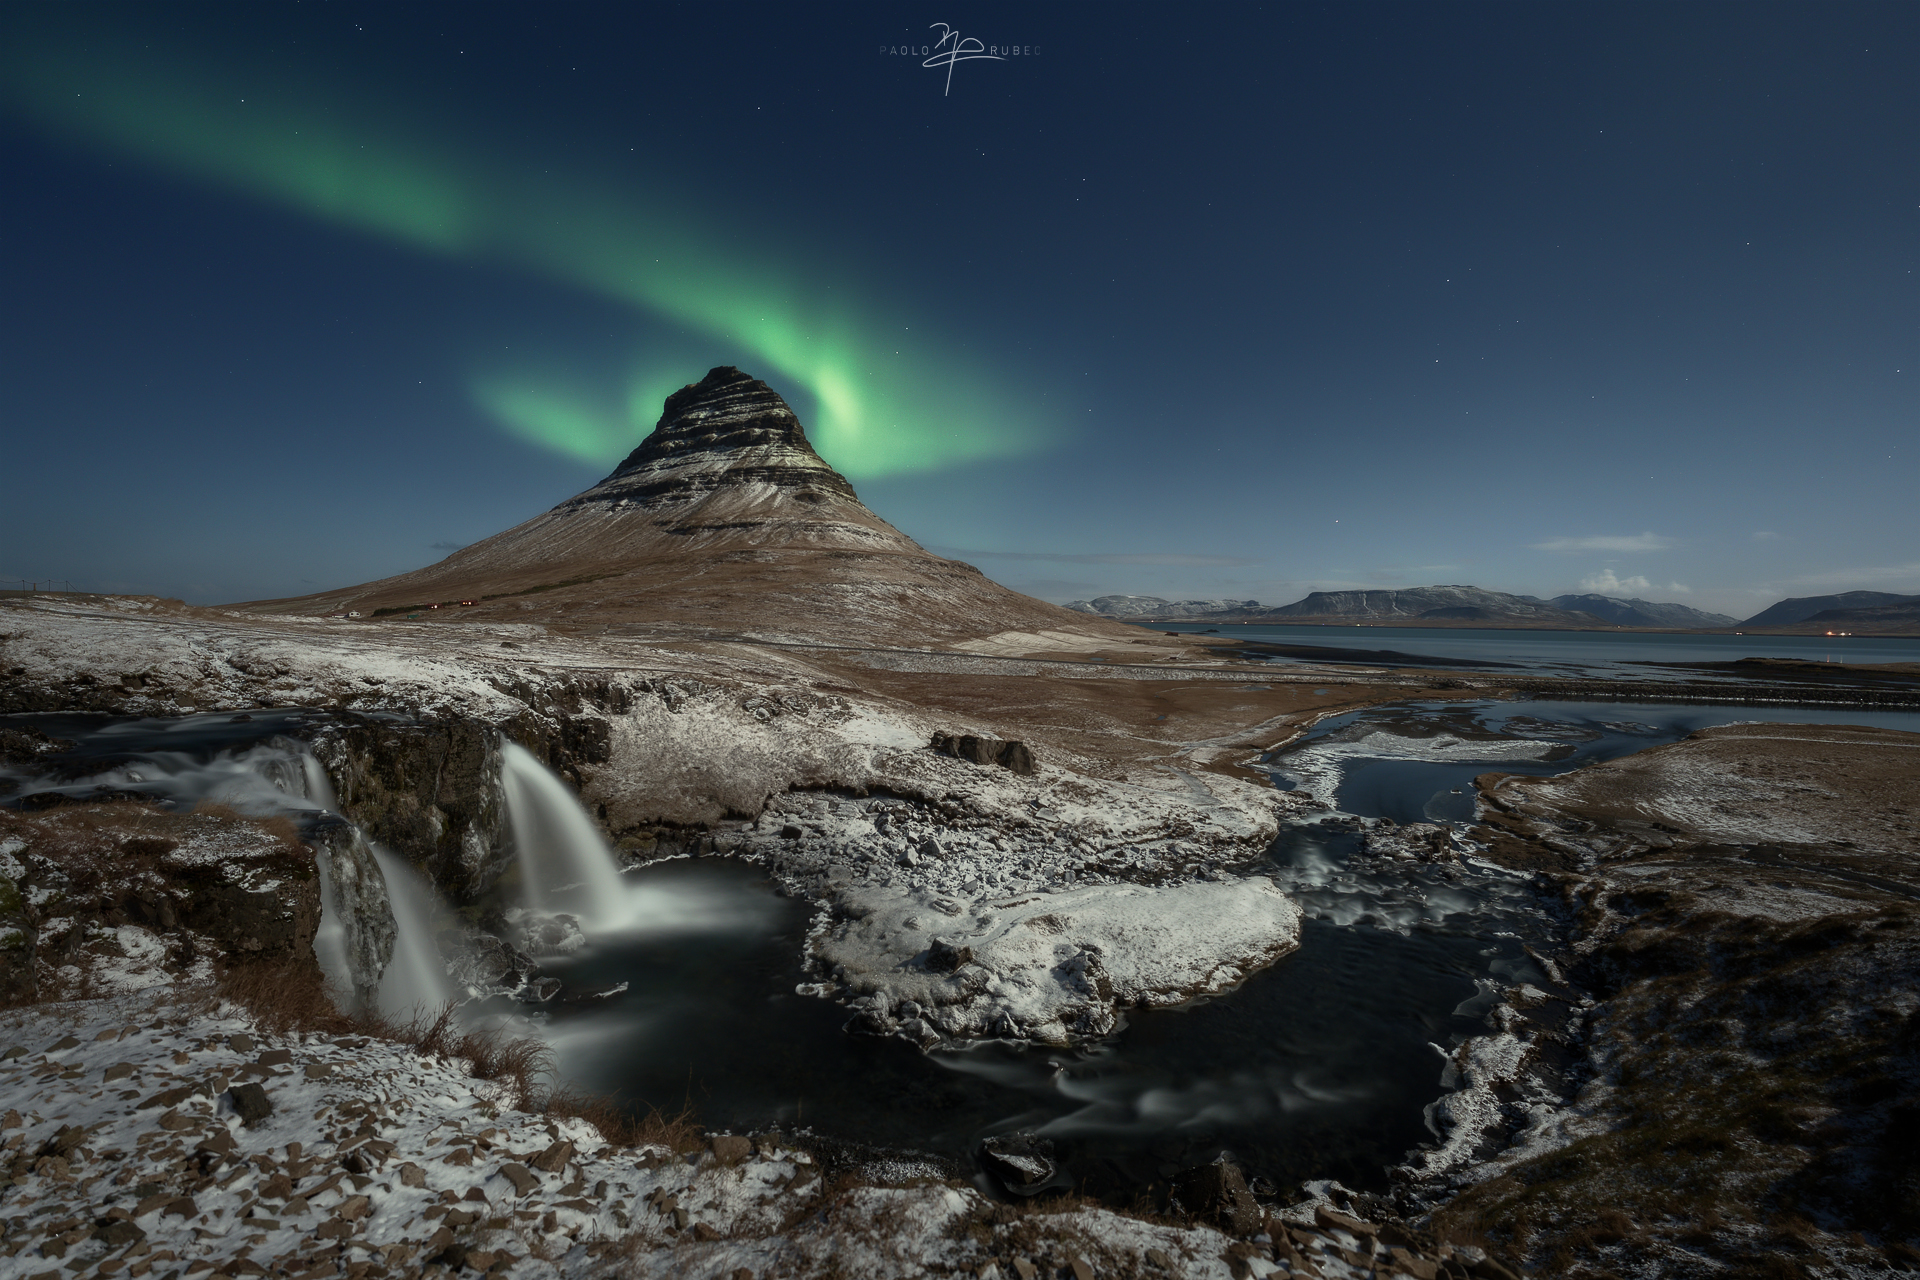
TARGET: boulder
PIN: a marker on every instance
(1022, 1162)
(1217, 1193)
(945, 957)
(250, 1101)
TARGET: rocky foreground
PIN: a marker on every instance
(1736, 1002)
(167, 1134)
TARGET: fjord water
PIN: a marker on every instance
(1596, 654)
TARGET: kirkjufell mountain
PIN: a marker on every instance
(723, 521)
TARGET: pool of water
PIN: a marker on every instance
(1318, 1067)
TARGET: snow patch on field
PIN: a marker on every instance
(1043, 965)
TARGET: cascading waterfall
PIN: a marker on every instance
(565, 864)
(330, 935)
(416, 982)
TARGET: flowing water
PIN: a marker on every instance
(416, 984)
(565, 865)
(1319, 1066)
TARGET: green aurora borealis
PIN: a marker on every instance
(880, 406)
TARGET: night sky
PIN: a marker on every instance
(1189, 301)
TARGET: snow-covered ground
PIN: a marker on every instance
(839, 792)
(137, 1146)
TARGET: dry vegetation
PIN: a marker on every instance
(1761, 1116)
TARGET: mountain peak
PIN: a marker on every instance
(728, 430)
(723, 522)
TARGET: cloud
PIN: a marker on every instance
(445, 546)
(1607, 583)
(1147, 558)
(1765, 535)
(1635, 542)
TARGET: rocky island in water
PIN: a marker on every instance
(297, 898)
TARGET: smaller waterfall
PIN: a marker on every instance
(415, 982)
(565, 864)
(319, 786)
(330, 937)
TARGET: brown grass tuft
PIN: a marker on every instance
(285, 996)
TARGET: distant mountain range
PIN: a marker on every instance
(1642, 613)
(1848, 606)
(1416, 605)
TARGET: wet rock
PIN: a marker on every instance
(539, 934)
(920, 1032)
(430, 790)
(357, 893)
(24, 745)
(539, 991)
(1414, 842)
(1218, 1193)
(1022, 1162)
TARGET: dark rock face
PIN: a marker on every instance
(357, 889)
(729, 429)
(1014, 755)
(429, 789)
(1218, 1194)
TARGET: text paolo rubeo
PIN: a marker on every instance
(951, 48)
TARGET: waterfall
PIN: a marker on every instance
(319, 786)
(416, 980)
(330, 950)
(565, 864)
